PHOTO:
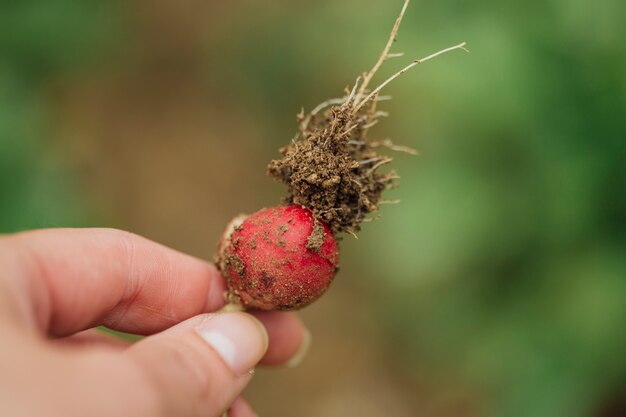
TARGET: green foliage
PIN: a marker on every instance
(39, 39)
(508, 258)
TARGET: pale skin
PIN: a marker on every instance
(57, 285)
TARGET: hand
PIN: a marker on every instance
(56, 285)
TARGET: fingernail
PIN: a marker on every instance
(239, 339)
(304, 349)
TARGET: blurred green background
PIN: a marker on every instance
(497, 287)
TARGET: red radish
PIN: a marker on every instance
(279, 258)
(284, 258)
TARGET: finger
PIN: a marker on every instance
(241, 408)
(93, 338)
(201, 366)
(289, 339)
(74, 279)
(39, 379)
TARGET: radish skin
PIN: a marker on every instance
(279, 258)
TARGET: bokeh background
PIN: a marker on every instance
(497, 287)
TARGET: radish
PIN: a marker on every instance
(285, 257)
(279, 258)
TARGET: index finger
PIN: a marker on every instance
(73, 279)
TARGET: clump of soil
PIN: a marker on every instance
(333, 169)
(317, 236)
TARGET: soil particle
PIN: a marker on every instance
(267, 281)
(316, 239)
(232, 297)
(237, 263)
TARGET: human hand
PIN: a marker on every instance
(57, 285)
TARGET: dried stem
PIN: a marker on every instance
(387, 143)
(377, 165)
(385, 54)
(319, 108)
(391, 202)
(358, 106)
(351, 232)
(353, 92)
(330, 102)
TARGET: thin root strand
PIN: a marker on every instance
(358, 106)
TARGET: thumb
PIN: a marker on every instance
(199, 367)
